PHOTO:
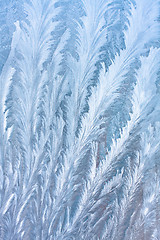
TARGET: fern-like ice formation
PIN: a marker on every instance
(79, 119)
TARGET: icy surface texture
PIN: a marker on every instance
(80, 119)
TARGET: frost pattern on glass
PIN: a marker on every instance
(80, 119)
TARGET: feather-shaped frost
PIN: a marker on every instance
(79, 119)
